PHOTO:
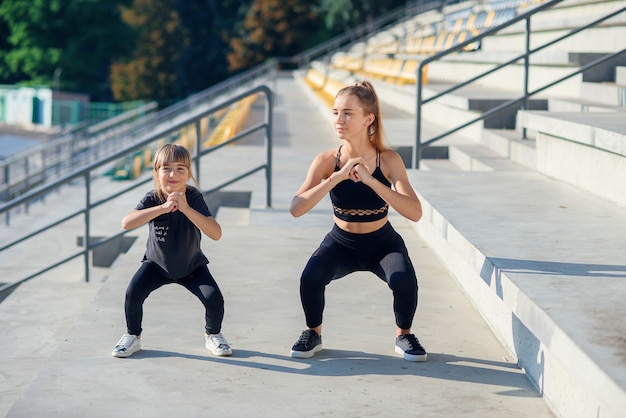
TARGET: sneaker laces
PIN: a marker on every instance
(126, 340)
(305, 337)
(412, 341)
(219, 340)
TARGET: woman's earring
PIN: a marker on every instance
(371, 132)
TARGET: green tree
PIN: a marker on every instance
(181, 49)
(77, 39)
(209, 26)
(5, 74)
(342, 15)
(150, 73)
(273, 28)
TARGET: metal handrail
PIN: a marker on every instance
(255, 76)
(94, 141)
(56, 157)
(417, 151)
(86, 173)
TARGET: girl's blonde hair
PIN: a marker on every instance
(168, 154)
(368, 99)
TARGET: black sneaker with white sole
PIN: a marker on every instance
(409, 346)
(309, 343)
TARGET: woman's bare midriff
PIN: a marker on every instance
(361, 227)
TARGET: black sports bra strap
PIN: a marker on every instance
(338, 158)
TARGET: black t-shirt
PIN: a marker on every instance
(173, 240)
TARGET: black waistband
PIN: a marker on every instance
(368, 241)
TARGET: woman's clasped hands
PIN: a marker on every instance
(358, 170)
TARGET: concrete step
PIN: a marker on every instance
(620, 75)
(606, 39)
(581, 105)
(478, 99)
(507, 78)
(607, 93)
(512, 144)
(543, 262)
(438, 164)
(480, 158)
(586, 150)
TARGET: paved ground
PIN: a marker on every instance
(257, 264)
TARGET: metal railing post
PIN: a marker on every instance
(27, 179)
(418, 117)
(268, 135)
(198, 146)
(7, 180)
(87, 222)
(526, 69)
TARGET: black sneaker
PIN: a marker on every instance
(409, 346)
(309, 343)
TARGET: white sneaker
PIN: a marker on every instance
(217, 344)
(127, 346)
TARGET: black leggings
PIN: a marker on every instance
(382, 252)
(149, 278)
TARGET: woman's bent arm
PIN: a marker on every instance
(314, 189)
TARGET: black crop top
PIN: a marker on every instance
(356, 202)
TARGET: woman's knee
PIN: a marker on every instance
(403, 283)
(313, 279)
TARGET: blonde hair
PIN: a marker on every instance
(168, 154)
(368, 100)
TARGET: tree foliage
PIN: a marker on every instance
(150, 73)
(181, 48)
(342, 15)
(210, 24)
(76, 40)
(272, 28)
(161, 49)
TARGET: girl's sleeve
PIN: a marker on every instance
(147, 201)
(196, 200)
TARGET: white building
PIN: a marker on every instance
(26, 106)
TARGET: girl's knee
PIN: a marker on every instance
(213, 300)
(135, 295)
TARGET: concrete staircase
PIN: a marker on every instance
(531, 227)
(56, 358)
